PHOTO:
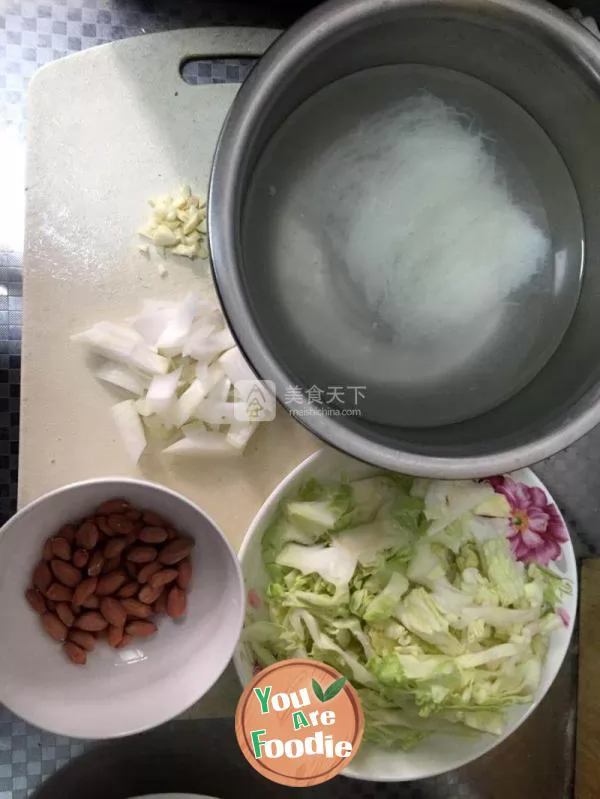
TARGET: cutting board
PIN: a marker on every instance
(108, 129)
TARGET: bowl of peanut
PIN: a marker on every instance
(121, 604)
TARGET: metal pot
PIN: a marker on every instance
(539, 58)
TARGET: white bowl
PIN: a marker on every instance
(118, 692)
(440, 753)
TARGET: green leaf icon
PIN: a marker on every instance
(318, 691)
(334, 689)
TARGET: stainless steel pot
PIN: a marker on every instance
(539, 58)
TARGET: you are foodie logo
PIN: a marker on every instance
(299, 722)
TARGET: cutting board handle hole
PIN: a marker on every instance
(198, 71)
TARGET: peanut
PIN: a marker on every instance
(163, 577)
(95, 564)
(59, 593)
(176, 603)
(176, 550)
(142, 554)
(110, 583)
(128, 590)
(153, 535)
(54, 627)
(75, 653)
(148, 594)
(147, 571)
(112, 506)
(87, 536)
(136, 608)
(65, 573)
(102, 525)
(114, 636)
(47, 553)
(84, 590)
(91, 622)
(81, 638)
(141, 629)
(160, 606)
(185, 575)
(67, 531)
(152, 519)
(42, 576)
(119, 524)
(111, 564)
(113, 611)
(36, 600)
(114, 547)
(65, 614)
(80, 558)
(61, 548)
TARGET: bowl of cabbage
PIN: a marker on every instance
(449, 605)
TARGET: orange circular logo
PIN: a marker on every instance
(299, 722)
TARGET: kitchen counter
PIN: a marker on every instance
(538, 759)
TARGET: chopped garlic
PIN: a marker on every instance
(177, 224)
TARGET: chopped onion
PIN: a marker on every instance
(235, 367)
(216, 412)
(188, 402)
(240, 433)
(179, 325)
(130, 428)
(161, 392)
(188, 389)
(124, 345)
(121, 376)
(201, 442)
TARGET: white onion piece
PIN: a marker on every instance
(118, 343)
(240, 433)
(217, 413)
(208, 349)
(178, 328)
(162, 391)
(130, 428)
(235, 367)
(142, 408)
(152, 323)
(121, 376)
(188, 402)
(196, 341)
(202, 442)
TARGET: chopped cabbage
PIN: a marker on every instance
(410, 589)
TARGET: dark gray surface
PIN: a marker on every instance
(538, 760)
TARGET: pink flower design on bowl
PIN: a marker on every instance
(536, 527)
(564, 616)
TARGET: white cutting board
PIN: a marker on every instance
(109, 128)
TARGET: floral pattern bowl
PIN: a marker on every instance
(537, 532)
